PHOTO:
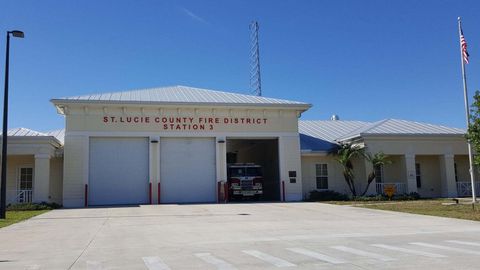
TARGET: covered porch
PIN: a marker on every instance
(34, 168)
(428, 175)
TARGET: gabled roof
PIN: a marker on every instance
(329, 130)
(320, 136)
(26, 132)
(402, 128)
(323, 136)
(58, 133)
(180, 95)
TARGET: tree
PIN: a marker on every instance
(473, 133)
(377, 159)
(345, 153)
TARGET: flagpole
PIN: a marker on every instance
(467, 113)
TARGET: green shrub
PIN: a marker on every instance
(327, 195)
(399, 197)
(412, 196)
(33, 206)
(370, 198)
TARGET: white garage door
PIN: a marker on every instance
(187, 170)
(118, 171)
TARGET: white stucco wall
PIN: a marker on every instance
(56, 180)
(84, 121)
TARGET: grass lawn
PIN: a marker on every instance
(17, 216)
(423, 207)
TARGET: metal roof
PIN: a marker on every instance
(329, 130)
(321, 135)
(59, 134)
(401, 127)
(25, 132)
(18, 132)
(325, 135)
(180, 95)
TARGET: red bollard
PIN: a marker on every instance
(159, 192)
(86, 195)
(150, 193)
(225, 190)
(219, 188)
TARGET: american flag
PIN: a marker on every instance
(463, 43)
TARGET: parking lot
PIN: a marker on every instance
(239, 236)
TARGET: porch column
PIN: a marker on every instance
(411, 173)
(447, 176)
(41, 178)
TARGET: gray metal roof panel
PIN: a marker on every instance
(401, 127)
(58, 133)
(180, 94)
(329, 130)
(24, 132)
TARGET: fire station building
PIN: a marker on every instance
(173, 144)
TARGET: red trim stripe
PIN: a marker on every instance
(159, 193)
(150, 193)
(86, 195)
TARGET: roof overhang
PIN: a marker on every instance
(360, 137)
(35, 140)
(61, 104)
(308, 153)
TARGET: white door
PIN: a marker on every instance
(187, 170)
(118, 171)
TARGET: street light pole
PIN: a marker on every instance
(3, 190)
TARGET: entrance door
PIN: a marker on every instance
(25, 185)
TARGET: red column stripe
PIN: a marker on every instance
(158, 192)
(150, 193)
(86, 195)
(226, 192)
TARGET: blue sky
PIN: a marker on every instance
(363, 60)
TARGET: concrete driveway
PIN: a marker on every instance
(239, 236)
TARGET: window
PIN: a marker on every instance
(321, 171)
(25, 178)
(237, 172)
(379, 174)
(418, 174)
(254, 171)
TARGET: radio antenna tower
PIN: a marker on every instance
(255, 81)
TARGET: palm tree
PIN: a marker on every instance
(377, 159)
(344, 155)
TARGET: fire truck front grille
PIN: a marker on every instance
(247, 184)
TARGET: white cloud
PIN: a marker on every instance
(194, 16)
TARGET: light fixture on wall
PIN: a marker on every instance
(154, 141)
(221, 141)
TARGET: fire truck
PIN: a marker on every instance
(244, 180)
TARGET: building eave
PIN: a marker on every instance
(396, 135)
(61, 103)
(36, 139)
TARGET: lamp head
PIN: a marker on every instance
(17, 33)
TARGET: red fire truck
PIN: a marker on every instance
(245, 180)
